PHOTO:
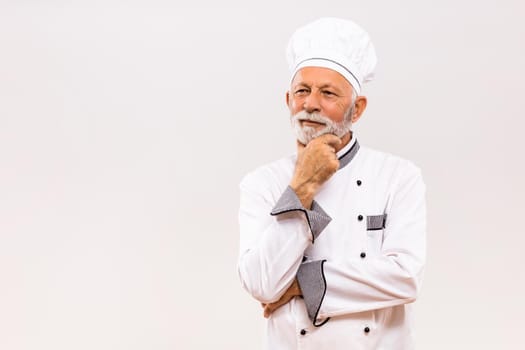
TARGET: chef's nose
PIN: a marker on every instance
(312, 103)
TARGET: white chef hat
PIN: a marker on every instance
(333, 43)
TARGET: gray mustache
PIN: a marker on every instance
(312, 118)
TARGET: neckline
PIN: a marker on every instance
(347, 153)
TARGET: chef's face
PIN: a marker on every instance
(328, 97)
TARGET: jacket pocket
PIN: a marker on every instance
(375, 225)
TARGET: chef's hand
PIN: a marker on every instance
(316, 163)
(292, 291)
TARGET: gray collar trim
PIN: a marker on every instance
(349, 155)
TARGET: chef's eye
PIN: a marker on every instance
(329, 93)
(301, 91)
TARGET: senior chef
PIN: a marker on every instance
(332, 239)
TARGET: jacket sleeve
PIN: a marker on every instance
(274, 235)
(391, 277)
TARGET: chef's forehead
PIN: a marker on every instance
(320, 77)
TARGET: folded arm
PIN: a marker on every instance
(391, 277)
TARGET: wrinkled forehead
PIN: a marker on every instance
(313, 76)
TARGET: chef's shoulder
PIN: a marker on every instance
(271, 178)
(390, 166)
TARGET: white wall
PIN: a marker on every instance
(125, 128)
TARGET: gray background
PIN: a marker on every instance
(125, 128)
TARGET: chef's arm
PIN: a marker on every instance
(272, 246)
(273, 239)
(390, 278)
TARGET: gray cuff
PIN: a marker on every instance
(316, 217)
(312, 282)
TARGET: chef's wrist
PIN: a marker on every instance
(305, 193)
(297, 288)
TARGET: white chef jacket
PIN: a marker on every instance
(358, 253)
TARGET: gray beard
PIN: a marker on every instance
(305, 134)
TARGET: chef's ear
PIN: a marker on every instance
(288, 98)
(360, 106)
